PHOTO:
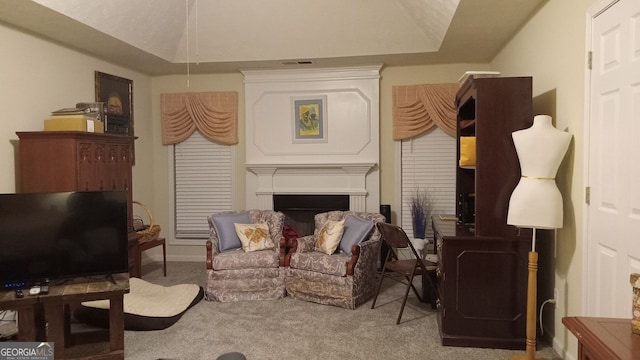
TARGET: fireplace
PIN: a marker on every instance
(299, 210)
(350, 180)
(344, 162)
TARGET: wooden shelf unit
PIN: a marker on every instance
(482, 276)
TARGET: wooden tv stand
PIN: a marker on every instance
(55, 307)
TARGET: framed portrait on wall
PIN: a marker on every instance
(117, 94)
(309, 119)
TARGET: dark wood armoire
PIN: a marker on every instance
(482, 274)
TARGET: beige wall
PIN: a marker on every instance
(551, 48)
(159, 200)
(37, 77)
(160, 178)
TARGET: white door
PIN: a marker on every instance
(613, 160)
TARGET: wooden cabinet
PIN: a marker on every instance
(75, 161)
(483, 261)
(482, 287)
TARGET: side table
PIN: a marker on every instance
(146, 245)
(604, 338)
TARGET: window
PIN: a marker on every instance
(202, 183)
(428, 162)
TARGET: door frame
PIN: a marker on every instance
(592, 12)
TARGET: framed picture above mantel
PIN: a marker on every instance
(117, 94)
(309, 119)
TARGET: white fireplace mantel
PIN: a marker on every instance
(335, 179)
(343, 163)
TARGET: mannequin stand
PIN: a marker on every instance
(532, 294)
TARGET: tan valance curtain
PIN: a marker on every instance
(215, 114)
(418, 108)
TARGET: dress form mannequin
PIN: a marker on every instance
(536, 201)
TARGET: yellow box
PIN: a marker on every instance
(467, 151)
(73, 123)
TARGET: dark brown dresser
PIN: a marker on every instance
(482, 287)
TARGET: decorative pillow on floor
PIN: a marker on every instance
(147, 306)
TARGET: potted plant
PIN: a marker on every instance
(420, 204)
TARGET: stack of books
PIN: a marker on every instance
(88, 117)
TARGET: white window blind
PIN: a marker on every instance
(203, 184)
(429, 163)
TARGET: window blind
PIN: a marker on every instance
(203, 184)
(428, 162)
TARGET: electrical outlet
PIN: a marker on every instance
(555, 297)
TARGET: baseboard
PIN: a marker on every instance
(562, 351)
(557, 346)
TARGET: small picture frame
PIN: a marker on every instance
(309, 119)
(117, 94)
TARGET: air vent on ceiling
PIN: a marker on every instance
(298, 62)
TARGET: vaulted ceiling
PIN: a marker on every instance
(161, 36)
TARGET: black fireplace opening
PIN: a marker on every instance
(299, 210)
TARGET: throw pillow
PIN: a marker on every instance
(225, 227)
(356, 229)
(254, 236)
(329, 236)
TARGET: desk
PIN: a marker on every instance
(604, 338)
(57, 316)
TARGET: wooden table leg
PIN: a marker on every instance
(151, 244)
(116, 323)
(164, 257)
(27, 324)
(54, 314)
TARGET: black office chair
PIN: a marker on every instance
(395, 238)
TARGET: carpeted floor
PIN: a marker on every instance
(292, 329)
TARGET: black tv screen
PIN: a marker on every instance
(62, 235)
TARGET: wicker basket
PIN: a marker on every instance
(151, 231)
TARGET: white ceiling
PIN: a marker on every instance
(161, 36)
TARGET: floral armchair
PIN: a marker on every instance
(237, 273)
(344, 278)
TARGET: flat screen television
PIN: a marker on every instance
(62, 235)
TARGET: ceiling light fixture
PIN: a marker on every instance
(186, 15)
(186, 12)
